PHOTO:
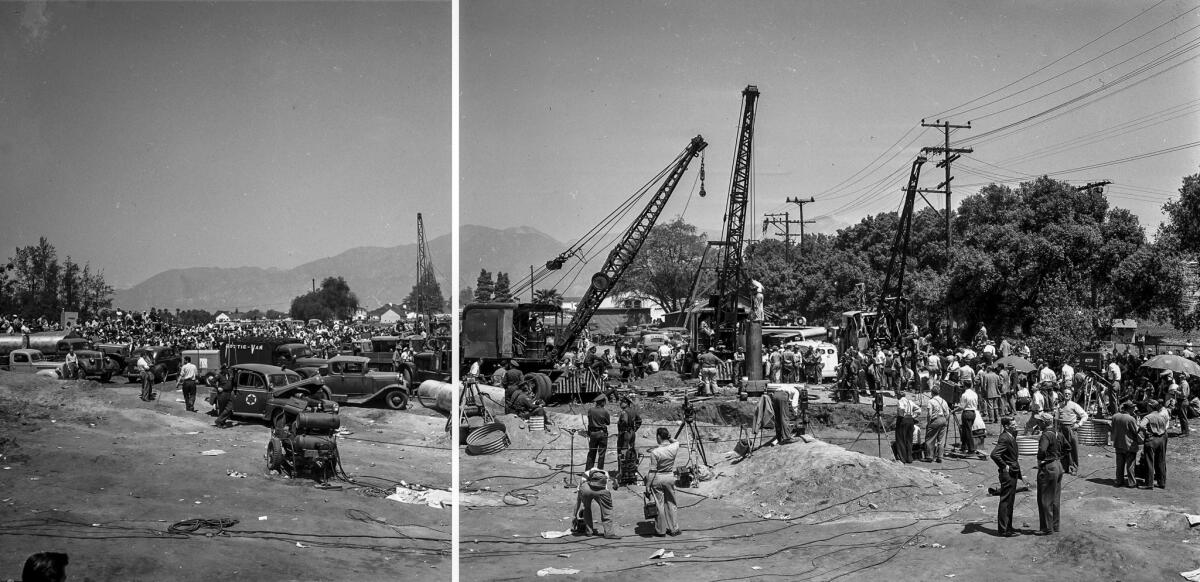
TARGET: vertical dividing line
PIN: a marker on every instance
(455, 380)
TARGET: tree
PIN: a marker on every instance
(36, 285)
(484, 287)
(333, 300)
(275, 314)
(548, 297)
(502, 293)
(194, 317)
(466, 295)
(426, 295)
(1180, 231)
(666, 265)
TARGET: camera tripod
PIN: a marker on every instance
(689, 423)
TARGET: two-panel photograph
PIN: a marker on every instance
(635, 290)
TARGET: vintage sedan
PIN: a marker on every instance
(350, 379)
(274, 394)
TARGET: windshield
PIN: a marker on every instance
(302, 352)
(278, 380)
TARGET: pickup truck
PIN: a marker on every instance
(28, 361)
(350, 379)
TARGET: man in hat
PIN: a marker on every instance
(1052, 450)
(1009, 467)
(224, 397)
(1126, 441)
(935, 431)
(906, 411)
(1070, 417)
(708, 372)
(598, 421)
(594, 487)
(1154, 444)
(628, 423)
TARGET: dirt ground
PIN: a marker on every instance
(90, 470)
(787, 513)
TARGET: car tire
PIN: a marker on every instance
(274, 455)
(396, 399)
(544, 388)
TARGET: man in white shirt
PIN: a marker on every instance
(187, 383)
(1046, 374)
(1068, 376)
(1114, 375)
(905, 412)
(147, 377)
(1070, 417)
(968, 403)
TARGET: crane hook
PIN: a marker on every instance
(702, 192)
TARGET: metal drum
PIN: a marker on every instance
(1027, 445)
(489, 439)
(1092, 433)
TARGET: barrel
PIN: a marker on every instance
(1027, 445)
(436, 395)
(317, 422)
(536, 423)
(489, 439)
(1092, 433)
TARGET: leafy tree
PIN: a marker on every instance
(484, 287)
(426, 295)
(666, 265)
(275, 314)
(253, 315)
(1064, 325)
(1181, 230)
(194, 317)
(501, 293)
(35, 285)
(333, 300)
(548, 297)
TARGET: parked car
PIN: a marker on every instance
(164, 362)
(350, 379)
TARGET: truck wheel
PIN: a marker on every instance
(544, 388)
(274, 455)
(396, 399)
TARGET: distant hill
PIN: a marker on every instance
(375, 274)
(511, 250)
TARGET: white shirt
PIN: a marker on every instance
(1068, 374)
(938, 408)
(969, 400)
(1047, 375)
(905, 407)
(187, 372)
(1114, 371)
(143, 363)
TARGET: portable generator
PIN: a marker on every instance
(306, 447)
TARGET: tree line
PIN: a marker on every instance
(34, 284)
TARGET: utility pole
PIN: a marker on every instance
(801, 203)
(949, 155)
(777, 219)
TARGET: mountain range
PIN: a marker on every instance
(377, 275)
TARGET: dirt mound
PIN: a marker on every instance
(660, 380)
(828, 481)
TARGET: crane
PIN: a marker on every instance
(424, 268)
(626, 249)
(731, 277)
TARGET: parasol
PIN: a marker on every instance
(1018, 363)
(1173, 363)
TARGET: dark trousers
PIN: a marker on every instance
(1155, 453)
(597, 448)
(1181, 407)
(904, 432)
(225, 410)
(1049, 491)
(625, 449)
(189, 394)
(782, 409)
(968, 436)
(1008, 495)
(1126, 460)
(147, 378)
(1072, 460)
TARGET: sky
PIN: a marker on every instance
(567, 107)
(145, 136)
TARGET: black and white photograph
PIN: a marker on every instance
(225, 281)
(828, 290)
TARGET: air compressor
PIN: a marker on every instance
(307, 447)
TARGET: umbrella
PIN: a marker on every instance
(1173, 363)
(1017, 362)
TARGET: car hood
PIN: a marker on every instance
(309, 384)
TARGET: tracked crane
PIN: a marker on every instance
(424, 268)
(500, 332)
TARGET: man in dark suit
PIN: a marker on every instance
(1126, 441)
(598, 420)
(1005, 457)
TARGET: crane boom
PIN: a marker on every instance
(627, 248)
(422, 263)
(730, 279)
(892, 305)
